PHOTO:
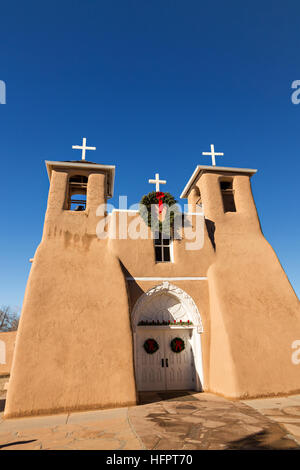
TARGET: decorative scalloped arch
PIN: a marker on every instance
(186, 301)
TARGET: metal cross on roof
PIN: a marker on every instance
(157, 182)
(213, 154)
(83, 147)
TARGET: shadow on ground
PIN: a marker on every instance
(17, 443)
(263, 440)
(153, 397)
(185, 420)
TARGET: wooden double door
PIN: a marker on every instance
(164, 369)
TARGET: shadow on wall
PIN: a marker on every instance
(211, 228)
(134, 287)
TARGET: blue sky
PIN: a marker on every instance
(151, 84)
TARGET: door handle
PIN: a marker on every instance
(167, 364)
(162, 363)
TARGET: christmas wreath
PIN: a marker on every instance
(151, 346)
(177, 345)
(161, 199)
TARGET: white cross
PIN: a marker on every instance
(157, 182)
(83, 148)
(213, 154)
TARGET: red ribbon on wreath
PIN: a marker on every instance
(160, 195)
(178, 344)
(151, 345)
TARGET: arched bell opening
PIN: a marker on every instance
(77, 193)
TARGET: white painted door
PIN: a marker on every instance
(180, 367)
(150, 374)
(164, 369)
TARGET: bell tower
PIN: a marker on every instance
(75, 323)
(254, 311)
(76, 190)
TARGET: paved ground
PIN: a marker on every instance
(164, 421)
(285, 411)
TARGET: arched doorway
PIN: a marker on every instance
(166, 369)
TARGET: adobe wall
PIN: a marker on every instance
(138, 255)
(74, 343)
(254, 312)
(7, 344)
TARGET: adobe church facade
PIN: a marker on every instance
(92, 304)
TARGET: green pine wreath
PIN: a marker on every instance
(151, 346)
(177, 345)
(145, 211)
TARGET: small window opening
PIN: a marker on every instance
(227, 196)
(162, 248)
(77, 193)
